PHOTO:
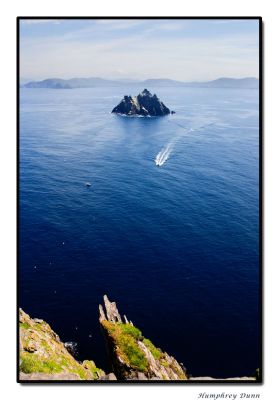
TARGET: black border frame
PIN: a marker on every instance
(222, 382)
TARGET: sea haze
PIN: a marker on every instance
(176, 246)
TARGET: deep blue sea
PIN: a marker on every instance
(176, 246)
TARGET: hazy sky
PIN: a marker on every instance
(177, 49)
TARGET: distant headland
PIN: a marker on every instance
(75, 83)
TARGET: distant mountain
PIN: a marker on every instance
(55, 83)
(247, 83)
(49, 84)
(73, 83)
(23, 80)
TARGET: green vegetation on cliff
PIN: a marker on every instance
(42, 355)
(134, 356)
(156, 352)
(41, 351)
(125, 339)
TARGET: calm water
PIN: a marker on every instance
(176, 247)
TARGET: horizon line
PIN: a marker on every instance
(137, 80)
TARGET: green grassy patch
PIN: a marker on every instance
(125, 337)
(91, 367)
(165, 363)
(131, 330)
(44, 343)
(157, 353)
(24, 325)
(32, 363)
(81, 372)
(132, 351)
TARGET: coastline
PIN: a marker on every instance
(132, 357)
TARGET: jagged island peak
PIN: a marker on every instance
(144, 104)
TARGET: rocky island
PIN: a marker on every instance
(132, 357)
(144, 104)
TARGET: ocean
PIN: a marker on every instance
(176, 245)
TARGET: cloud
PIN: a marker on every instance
(144, 50)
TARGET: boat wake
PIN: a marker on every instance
(163, 155)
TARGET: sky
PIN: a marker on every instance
(185, 50)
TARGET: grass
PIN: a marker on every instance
(90, 366)
(157, 353)
(32, 363)
(24, 325)
(42, 352)
(134, 354)
(125, 337)
(165, 363)
(131, 330)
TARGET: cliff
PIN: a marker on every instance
(42, 355)
(144, 104)
(134, 357)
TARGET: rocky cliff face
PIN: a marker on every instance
(42, 355)
(134, 357)
(143, 104)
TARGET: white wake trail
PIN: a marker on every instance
(163, 155)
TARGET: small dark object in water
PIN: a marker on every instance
(172, 112)
(88, 184)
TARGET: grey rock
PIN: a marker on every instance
(38, 321)
(111, 312)
(102, 313)
(160, 368)
(142, 376)
(38, 376)
(209, 378)
(144, 104)
(108, 377)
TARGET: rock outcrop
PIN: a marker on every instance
(133, 357)
(144, 104)
(42, 355)
(209, 378)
